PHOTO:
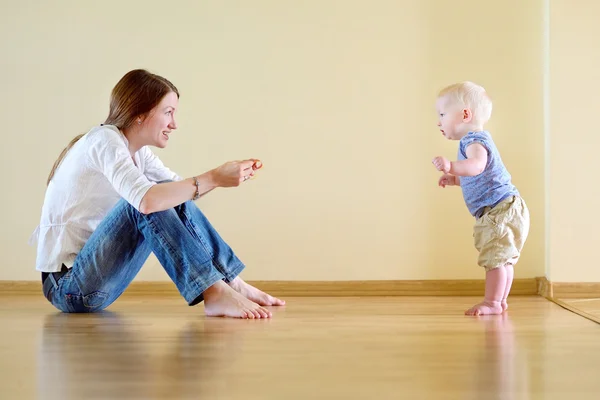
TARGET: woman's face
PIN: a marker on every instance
(160, 122)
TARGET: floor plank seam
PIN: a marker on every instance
(574, 310)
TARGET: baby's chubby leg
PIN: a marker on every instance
(495, 285)
(510, 273)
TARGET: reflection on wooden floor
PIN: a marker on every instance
(346, 348)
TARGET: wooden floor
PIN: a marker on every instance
(587, 307)
(314, 348)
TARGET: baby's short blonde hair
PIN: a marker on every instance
(470, 95)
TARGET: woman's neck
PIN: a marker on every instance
(134, 140)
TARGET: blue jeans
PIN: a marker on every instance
(190, 250)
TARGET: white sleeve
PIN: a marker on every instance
(154, 169)
(108, 154)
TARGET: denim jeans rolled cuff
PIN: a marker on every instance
(194, 288)
(223, 257)
(231, 272)
(202, 283)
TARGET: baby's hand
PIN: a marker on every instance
(442, 164)
(447, 180)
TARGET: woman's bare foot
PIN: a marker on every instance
(252, 293)
(485, 308)
(220, 300)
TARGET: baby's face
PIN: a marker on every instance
(450, 118)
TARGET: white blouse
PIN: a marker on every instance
(94, 175)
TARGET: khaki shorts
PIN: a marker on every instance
(500, 233)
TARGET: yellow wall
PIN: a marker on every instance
(574, 88)
(336, 98)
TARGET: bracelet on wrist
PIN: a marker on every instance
(197, 194)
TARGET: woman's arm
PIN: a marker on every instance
(168, 195)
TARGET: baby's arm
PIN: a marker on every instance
(473, 165)
(449, 180)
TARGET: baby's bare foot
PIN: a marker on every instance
(222, 301)
(252, 293)
(485, 308)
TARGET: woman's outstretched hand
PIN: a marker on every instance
(233, 173)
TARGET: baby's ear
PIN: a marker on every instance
(467, 115)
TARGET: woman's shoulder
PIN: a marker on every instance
(105, 135)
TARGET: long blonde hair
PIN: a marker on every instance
(135, 95)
